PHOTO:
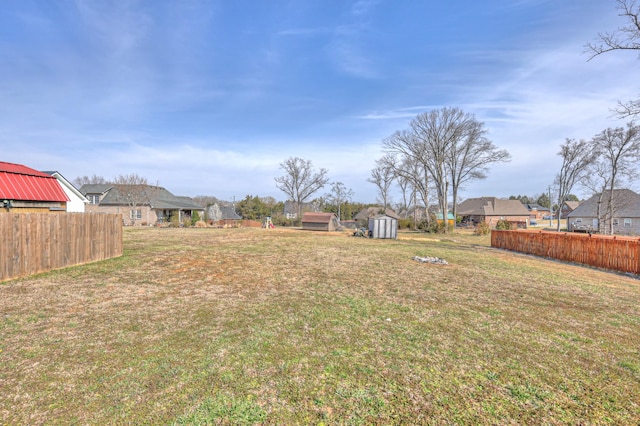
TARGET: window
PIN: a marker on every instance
(616, 221)
(136, 214)
(579, 220)
(627, 222)
(93, 198)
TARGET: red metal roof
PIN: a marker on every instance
(18, 182)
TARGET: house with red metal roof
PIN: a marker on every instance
(25, 190)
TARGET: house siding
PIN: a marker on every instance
(492, 221)
(149, 216)
(586, 224)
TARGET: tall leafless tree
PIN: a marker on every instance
(626, 37)
(382, 177)
(450, 146)
(300, 180)
(339, 195)
(407, 194)
(408, 168)
(577, 157)
(469, 157)
(620, 152)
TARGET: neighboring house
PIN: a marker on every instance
(365, 214)
(218, 211)
(416, 213)
(25, 190)
(626, 213)
(77, 201)
(320, 222)
(568, 207)
(493, 209)
(140, 204)
(291, 208)
(95, 192)
(538, 212)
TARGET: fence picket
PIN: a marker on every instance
(37, 242)
(607, 252)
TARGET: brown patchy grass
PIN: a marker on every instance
(247, 326)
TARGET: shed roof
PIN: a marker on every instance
(18, 182)
(318, 217)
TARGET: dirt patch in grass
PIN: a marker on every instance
(286, 326)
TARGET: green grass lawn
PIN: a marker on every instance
(246, 326)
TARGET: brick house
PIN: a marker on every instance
(140, 204)
(492, 209)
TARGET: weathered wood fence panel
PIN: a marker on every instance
(38, 242)
(602, 251)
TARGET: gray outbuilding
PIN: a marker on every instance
(383, 226)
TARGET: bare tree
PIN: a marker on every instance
(339, 194)
(450, 146)
(577, 157)
(406, 167)
(132, 189)
(620, 152)
(86, 180)
(626, 37)
(382, 177)
(300, 180)
(407, 193)
(470, 156)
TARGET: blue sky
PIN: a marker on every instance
(209, 97)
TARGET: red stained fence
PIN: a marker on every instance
(602, 251)
(38, 242)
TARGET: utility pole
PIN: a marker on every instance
(550, 208)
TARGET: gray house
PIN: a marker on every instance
(593, 214)
(140, 204)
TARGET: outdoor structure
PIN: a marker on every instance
(77, 201)
(451, 221)
(140, 204)
(568, 207)
(538, 212)
(217, 211)
(625, 218)
(383, 226)
(492, 209)
(39, 242)
(364, 215)
(320, 222)
(25, 190)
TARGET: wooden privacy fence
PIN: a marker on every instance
(602, 251)
(38, 242)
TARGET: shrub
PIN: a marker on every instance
(503, 225)
(195, 218)
(405, 223)
(174, 221)
(482, 228)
